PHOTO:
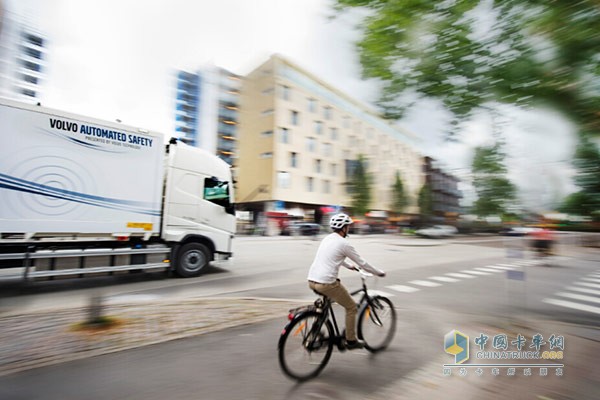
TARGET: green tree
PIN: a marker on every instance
(587, 162)
(470, 52)
(360, 186)
(494, 190)
(425, 202)
(400, 198)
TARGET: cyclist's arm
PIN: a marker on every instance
(352, 254)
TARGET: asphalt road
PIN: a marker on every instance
(474, 285)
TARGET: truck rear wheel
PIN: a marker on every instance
(191, 259)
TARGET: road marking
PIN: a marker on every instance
(503, 266)
(487, 269)
(380, 293)
(403, 288)
(592, 285)
(583, 290)
(570, 304)
(579, 297)
(467, 271)
(443, 279)
(591, 280)
(425, 283)
(457, 275)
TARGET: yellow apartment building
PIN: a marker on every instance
(299, 139)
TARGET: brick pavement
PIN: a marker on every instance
(38, 339)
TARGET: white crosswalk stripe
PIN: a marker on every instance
(586, 296)
(581, 297)
(487, 269)
(576, 306)
(380, 293)
(583, 290)
(503, 267)
(588, 284)
(443, 279)
(403, 288)
(449, 277)
(595, 280)
(425, 283)
(462, 276)
(468, 271)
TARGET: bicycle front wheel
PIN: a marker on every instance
(377, 323)
(304, 347)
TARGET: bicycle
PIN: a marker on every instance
(306, 342)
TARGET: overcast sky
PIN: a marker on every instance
(115, 59)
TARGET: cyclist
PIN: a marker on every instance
(323, 273)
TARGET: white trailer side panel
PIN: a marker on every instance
(67, 174)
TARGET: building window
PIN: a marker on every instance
(267, 91)
(311, 144)
(327, 187)
(267, 154)
(30, 79)
(310, 184)
(267, 134)
(346, 122)
(333, 169)
(294, 160)
(318, 166)
(267, 112)
(318, 127)
(284, 135)
(285, 92)
(28, 92)
(312, 105)
(294, 117)
(333, 133)
(31, 66)
(327, 149)
(283, 179)
(32, 52)
(327, 113)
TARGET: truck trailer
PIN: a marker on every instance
(82, 196)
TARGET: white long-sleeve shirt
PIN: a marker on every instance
(331, 255)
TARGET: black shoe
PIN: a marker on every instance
(354, 344)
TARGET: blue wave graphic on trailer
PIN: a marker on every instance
(21, 185)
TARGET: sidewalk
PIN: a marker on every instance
(44, 338)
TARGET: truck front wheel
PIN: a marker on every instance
(191, 259)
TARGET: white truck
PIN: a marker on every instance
(82, 196)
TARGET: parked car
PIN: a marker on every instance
(437, 231)
(301, 229)
(519, 231)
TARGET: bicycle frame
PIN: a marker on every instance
(328, 313)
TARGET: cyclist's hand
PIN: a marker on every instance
(381, 274)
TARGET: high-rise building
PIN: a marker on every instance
(22, 59)
(300, 139)
(206, 110)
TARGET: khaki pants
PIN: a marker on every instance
(338, 293)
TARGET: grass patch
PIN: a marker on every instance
(102, 323)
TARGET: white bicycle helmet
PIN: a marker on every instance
(338, 221)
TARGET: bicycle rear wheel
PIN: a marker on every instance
(304, 349)
(377, 323)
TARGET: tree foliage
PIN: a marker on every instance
(425, 202)
(400, 198)
(360, 185)
(494, 190)
(466, 53)
(587, 162)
